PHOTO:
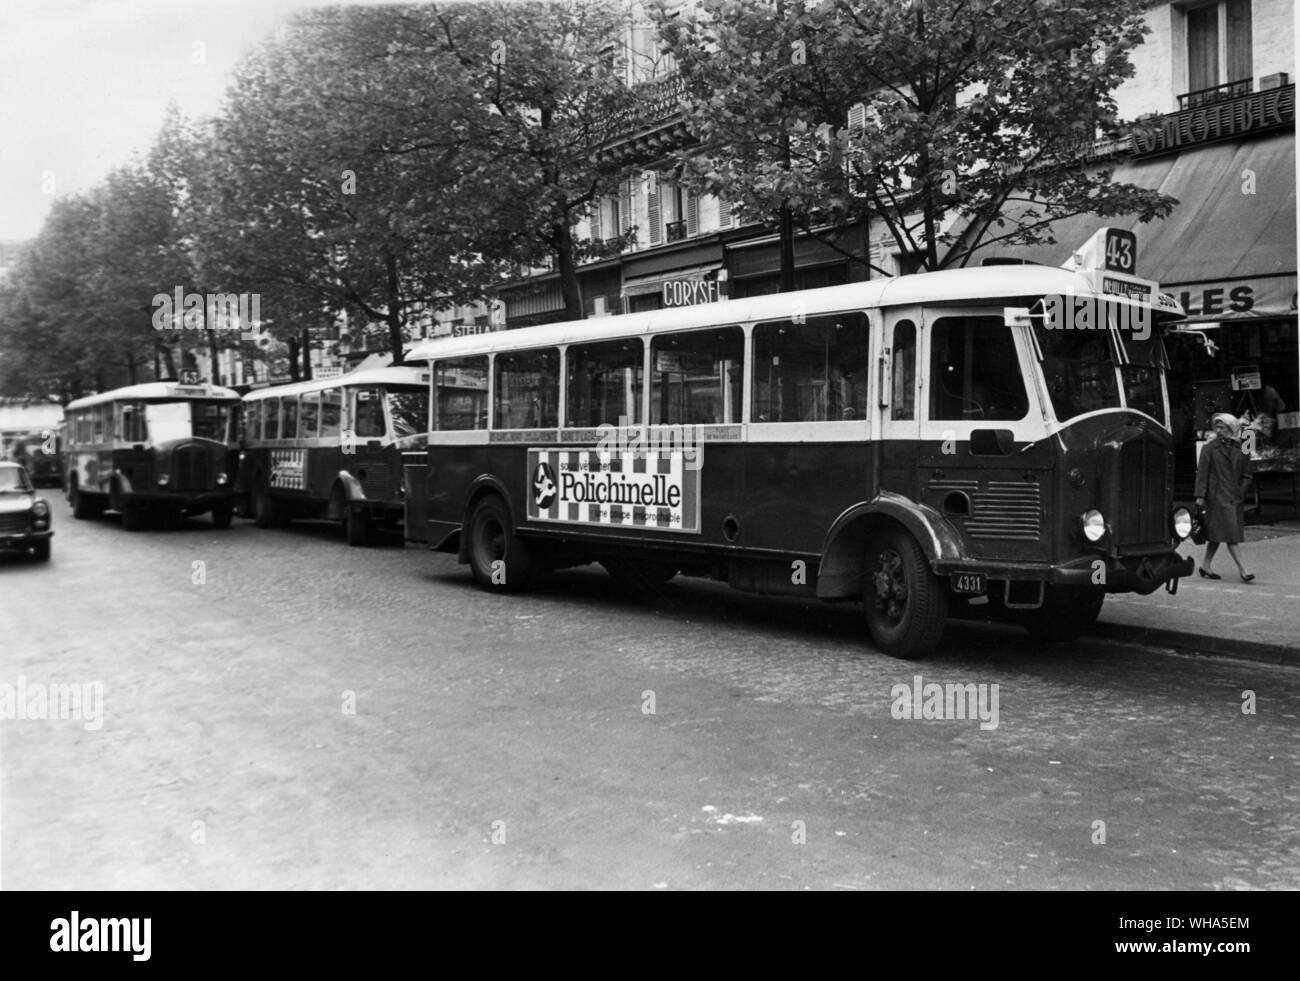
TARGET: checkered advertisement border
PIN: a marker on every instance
(654, 490)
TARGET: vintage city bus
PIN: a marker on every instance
(159, 449)
(332, 448)
(932, 445)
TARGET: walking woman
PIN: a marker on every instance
(1222, 477)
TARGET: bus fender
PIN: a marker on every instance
(349, 489)
(839, 575)
(482, 486)
(120, 484)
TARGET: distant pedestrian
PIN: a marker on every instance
(1222, 476)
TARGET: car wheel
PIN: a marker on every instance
(906, 604)
(41, 550)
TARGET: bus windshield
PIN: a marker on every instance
(168, 421)
(409, 410)
(1142, 375)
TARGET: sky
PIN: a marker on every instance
(84, 85)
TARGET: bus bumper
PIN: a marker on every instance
(1141, 574)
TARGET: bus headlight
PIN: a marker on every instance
(1182, 522)
(1093, 524)
(221, 479)
(163, 479)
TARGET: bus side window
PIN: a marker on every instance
(527, 390)
(462, 385)
(697, 377)
(811, 372)
(331, 412)
(133, 427)
(605, 383)
(288, 416)
(367, 414)
(903, 371)
(974, 371)
(271, 418)
(253, 420)
(308, 412)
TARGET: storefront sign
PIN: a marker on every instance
(1272, 296)
(1256, 112)
(687, 292)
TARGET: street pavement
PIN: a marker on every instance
(293, 713)
(1258, 620)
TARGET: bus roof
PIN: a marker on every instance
(936, 288)
(401, 375)
(155, 390)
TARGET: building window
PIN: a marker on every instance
(1218, 44)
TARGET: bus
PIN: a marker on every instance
(40, 452)
(332, 448)
(161, 449)
(930, 446)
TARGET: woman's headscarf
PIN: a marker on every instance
(1232, 422)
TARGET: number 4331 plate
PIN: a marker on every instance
(970, 583)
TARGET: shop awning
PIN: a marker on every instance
(1234, 228)
(640, 285)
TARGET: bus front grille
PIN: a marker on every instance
(1145, 472)
(1007, 511)
(190, 469)
(377, 482)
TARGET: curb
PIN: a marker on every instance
(1202, 644)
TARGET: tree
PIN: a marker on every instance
(963, 112)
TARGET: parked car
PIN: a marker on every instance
(24, 517)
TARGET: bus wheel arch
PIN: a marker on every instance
(840, 572)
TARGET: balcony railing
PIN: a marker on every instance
(1216, 93)
(676, 231)
(653, 103)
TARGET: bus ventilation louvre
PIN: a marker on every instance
(376, 480)
(1006, 510)
(190, 469)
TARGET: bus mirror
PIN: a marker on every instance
(1016, 316)
(991, 442)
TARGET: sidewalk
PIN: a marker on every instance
(1258, 621)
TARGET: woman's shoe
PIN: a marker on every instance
(1247, 576)
(1209, 575)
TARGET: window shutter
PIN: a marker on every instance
(652, 210)
(625, 207)
(724, 213)
(692, 214)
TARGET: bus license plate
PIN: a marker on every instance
(970, 583)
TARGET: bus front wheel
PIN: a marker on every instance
(906, 604)
(498, 558)
(266, 511)
(356, 527)
(85, 507)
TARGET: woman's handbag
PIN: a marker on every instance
(1198, 526)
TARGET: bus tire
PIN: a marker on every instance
(1067, 612)
(266, 510)
(356, 527)
(85, 507)
(906, 604)
(499, 559)
(222, 514)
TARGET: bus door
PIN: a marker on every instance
(367, 445)
(325, 457)
(982, 453)
(897, 397)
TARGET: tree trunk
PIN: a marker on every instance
(212, 353)
(294, 370)
(306, 354)
(157, 361)
(570, 291)
(394, 315)
(786, 224)
(130, 368)
(169, 363)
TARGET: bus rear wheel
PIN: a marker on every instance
(906, 604)
(85, 507)
(498, 558)
(1067, 612)
(266, 510)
